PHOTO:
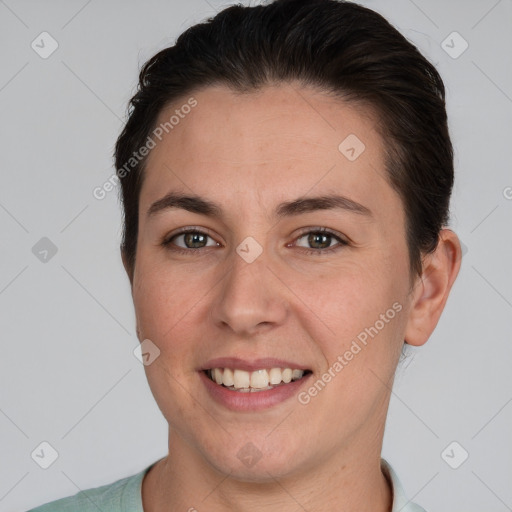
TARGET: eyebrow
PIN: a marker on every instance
(202, 206)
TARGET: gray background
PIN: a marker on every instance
(68, 375)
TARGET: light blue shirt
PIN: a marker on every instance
(125, 496)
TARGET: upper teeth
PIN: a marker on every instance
(258, 379)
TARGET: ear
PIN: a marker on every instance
(432, 288)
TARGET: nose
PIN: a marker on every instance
(250, 299)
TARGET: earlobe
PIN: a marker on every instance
(432, 288)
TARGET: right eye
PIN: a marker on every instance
(192, 240)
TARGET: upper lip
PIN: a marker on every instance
(251, 365)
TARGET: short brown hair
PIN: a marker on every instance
(343, 48)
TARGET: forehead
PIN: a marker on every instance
(278, 142)
(281, 120)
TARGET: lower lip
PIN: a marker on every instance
(251, 401)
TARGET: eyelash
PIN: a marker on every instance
(341, 243)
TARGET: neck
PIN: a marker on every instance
(350, 481)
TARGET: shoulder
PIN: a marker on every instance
(119, 496)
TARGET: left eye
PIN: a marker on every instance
(320, 240)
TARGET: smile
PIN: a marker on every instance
(255, 381)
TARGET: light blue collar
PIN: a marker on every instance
(400, 501)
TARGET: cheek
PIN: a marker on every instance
(161, 295)
(352, 299)
(361, 356)
(364, 307)
(165, 308)
(172, 307)
(178, 404)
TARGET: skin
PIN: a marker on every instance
(249, 153)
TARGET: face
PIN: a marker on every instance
(271, 278)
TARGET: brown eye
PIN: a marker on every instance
(320, 241)
(189, 239)
(194, 240)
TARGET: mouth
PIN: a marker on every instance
(264, 379)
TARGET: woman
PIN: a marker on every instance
(286, 172)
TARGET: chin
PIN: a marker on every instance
(253, 461)
(262, 471)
